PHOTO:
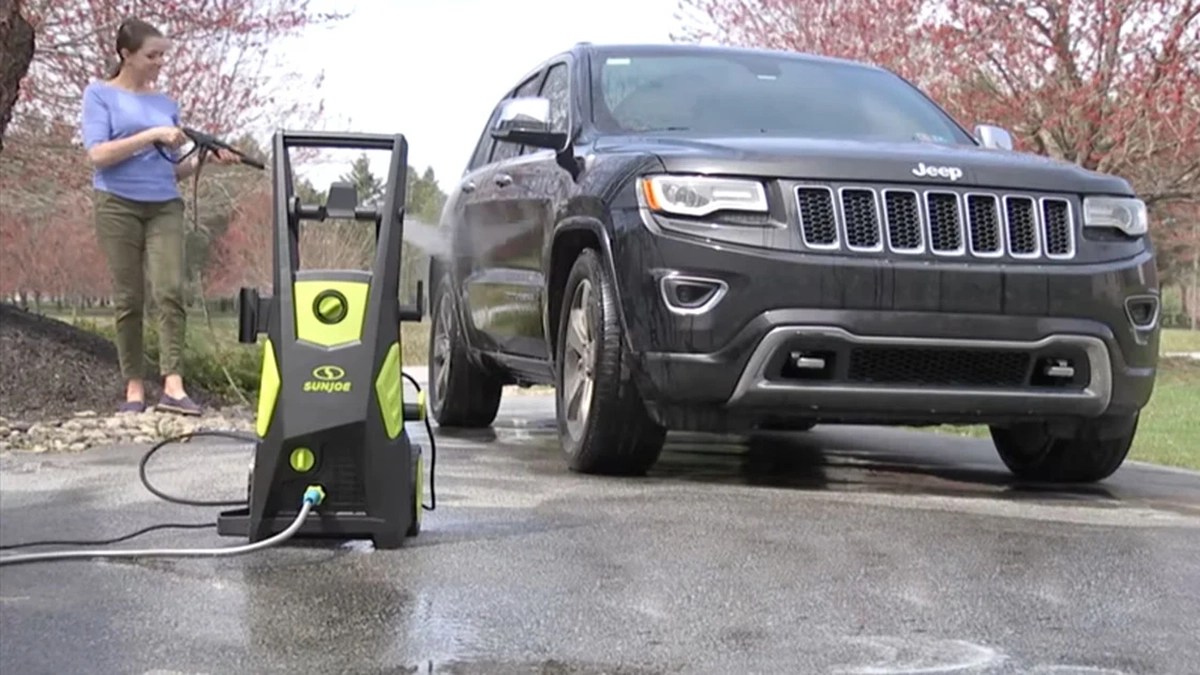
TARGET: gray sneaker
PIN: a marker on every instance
(182, 406)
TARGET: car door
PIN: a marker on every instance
(499, 300)
(466, 216)
(531, 189)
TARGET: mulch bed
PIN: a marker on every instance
(50, 370)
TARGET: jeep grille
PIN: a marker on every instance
(943, 222)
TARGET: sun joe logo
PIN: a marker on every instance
(327, 379)
(951, 172)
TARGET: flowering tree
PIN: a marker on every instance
(220, 67)
(242, 255)
(1109, 84)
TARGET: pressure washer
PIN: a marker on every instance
(331, 408)
(332, 456)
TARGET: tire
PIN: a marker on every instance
(602, 421)
(461, 394)
(1094, 453)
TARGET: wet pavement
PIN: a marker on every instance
(848, 550)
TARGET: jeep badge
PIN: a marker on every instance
(951, 172)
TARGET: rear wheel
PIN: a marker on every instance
(1092, 454)
(602, 421)
(461, 394)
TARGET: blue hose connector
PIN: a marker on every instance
(314, 494)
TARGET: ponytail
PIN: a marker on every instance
(131, 34)
(114, 68)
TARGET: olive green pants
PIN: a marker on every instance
(143, 239)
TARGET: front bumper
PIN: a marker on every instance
(896, 341)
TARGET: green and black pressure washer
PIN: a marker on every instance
(331, 410)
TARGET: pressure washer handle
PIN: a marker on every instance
(211, 142)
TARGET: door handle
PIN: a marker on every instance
(468, 186)
(503, 180)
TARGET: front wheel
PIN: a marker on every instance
(602, 421)
(1092, 454)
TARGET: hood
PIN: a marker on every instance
(875, 162)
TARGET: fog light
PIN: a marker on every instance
(1053, 371)
(1059, 368)
(1142, 310)
(808, 365)
(692, 295)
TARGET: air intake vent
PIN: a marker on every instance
(933, 366)
(983, 214)
(817, 222)
(945, 223)
(861, 216)
(1022, 228)
(1056, 222)
(903, 221)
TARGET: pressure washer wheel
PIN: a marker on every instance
(461, 393)
(414, 523)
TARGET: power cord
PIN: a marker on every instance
(432, 449)
(232, 435)
(114, 540)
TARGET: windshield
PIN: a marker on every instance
(727, 93)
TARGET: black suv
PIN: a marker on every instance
(720, 239)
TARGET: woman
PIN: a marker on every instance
(139, 210)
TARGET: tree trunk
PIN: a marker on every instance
(1190, 305)
(1189, 298)
(16, 53)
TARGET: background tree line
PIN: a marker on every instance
(1111, 85)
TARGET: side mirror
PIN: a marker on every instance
(526, 120)
(994, 137)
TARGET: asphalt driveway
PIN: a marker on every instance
(839, 550)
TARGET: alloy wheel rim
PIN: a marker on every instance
(579, 360)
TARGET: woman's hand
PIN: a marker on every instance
(223, 156)
(118, 150)
(172, 137)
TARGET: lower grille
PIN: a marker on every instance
(938, 366)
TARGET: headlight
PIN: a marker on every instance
(702, 195)
(1123, 213)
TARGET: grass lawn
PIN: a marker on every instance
(1169, 429)
(1179, 340)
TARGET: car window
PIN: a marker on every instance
(556, 89)
(762, 95)
(504, 150)
(483, 149)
